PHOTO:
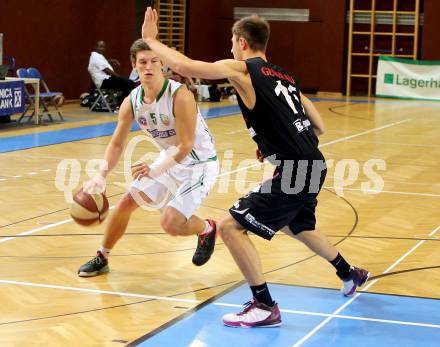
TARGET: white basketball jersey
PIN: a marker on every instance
(158, 121)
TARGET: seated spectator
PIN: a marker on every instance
(103, 74)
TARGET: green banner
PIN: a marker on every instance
(409, 79)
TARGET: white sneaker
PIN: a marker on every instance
(357, 278)
(255, 314)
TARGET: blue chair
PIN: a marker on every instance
(23, 73)
(47, 97)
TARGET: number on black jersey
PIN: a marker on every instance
(281, 89)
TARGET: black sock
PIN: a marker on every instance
(261, 294)
(341, 266)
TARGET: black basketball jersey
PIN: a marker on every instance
(278, 123)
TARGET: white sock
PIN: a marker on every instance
(105, 251)
(207, 230)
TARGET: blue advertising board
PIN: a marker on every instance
(11, 97)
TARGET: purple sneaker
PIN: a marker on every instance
(255, 314)
(357, 278)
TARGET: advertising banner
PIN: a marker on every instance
(409, 79)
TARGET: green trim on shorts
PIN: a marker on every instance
(194, 186)
(194, 154)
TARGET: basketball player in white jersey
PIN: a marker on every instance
(179, 179)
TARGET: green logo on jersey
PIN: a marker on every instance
(165, 119)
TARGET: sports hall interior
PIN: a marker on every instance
(153, 294)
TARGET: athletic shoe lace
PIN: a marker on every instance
(97, 260)
(247, 307)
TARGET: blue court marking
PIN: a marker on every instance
(16, 143)
(216, 112)
(204, 326)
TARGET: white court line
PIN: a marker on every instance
(240, 169)
(36, 230)
(195, 301)
(365, 132)
(352, 189)
(336, 312)
(398, 144)
(387, 181)
(97, 291)
(41, 228)
(222, 174)
(385, 191)
(319, 314)
(386, 321)
(398, 261)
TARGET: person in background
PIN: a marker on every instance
(103, 74)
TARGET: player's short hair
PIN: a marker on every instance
(138, 46)
(255, 30)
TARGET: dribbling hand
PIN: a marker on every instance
(94, 186)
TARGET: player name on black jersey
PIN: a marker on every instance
(278, 122)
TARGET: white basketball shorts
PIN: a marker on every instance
(181, 187)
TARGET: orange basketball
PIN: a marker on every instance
(89, 209)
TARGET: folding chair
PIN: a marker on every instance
(105, 100)
(46, 97)
(22, 73)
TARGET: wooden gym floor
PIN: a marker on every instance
(394, 233)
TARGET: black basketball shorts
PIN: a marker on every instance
(264, 212)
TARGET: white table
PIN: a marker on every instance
(36, 84)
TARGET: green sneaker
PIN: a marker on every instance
(97, 266)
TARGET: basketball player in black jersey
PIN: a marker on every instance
(285, 125)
